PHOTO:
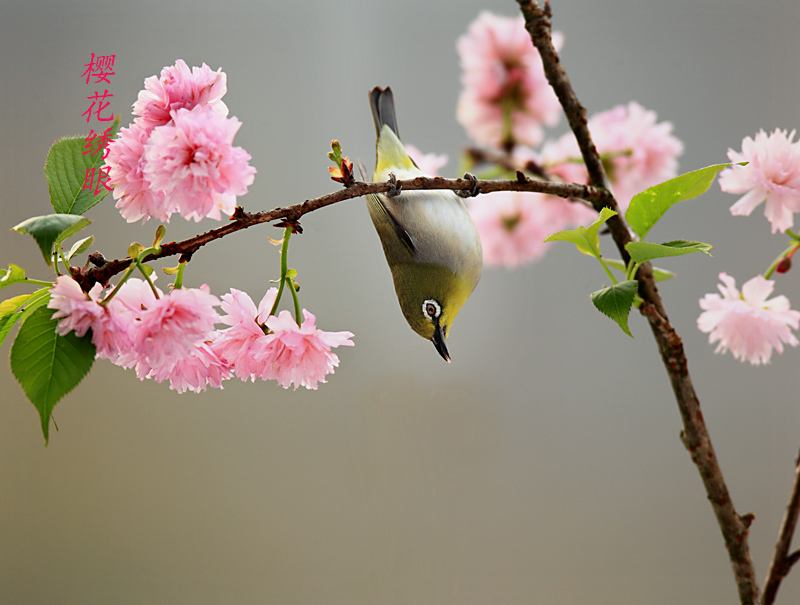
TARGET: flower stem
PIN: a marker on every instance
(287, 233)
(296, 300)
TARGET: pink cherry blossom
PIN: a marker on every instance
(243, 344)
(513, 225)
(746, 323)
(136, 199)
(78, 312)
(639, 151)
(195, 371)
(258, 345)
(300, 355)
(503, 79)
(194, 163)
(772, 175)
(179, 88)
(171, 326)
(429, 163)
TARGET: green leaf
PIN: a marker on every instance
(585, 238)
(65, 171)
(10, 312)
(644, 251)
(616, 302)
(658, 274)
(80, 246)
(12, 275)
(49, 366)
(51, 228)
(647, 208)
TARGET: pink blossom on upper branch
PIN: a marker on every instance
(178, 155)
(194, 163)
(506, 97)
(136, 199)
(746, 323)
(429, 163)
(772, 175)
(178, 87)
(638, 152)
(513, 225)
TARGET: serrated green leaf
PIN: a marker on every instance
(65, 171)
(616, 302)
(32, 301)
(644, 251)
(12, 275)
(80, 246)
(48, 229)
(585, 238)
(647, 208)
(49, 366)
(658, 274)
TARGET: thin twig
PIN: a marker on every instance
(695, 435)
(242, 220)
(782, 561)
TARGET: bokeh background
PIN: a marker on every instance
(542, 466)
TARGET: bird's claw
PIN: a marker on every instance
(472, 191)
(394, 186)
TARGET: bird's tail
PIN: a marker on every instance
(382, 101)
(391, 155)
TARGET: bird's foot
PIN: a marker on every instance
(472, 191)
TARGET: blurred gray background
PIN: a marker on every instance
(542, 466)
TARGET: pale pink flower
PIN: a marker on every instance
(136, 199)
(772, 174)
(300, 355)
(243, 344)
(504, 79)
(178, 87)
(513, 225)
(171, 326)
(195, 371)
(639, 152)
(429, 163)
(194, 163)
(746, 323)
(78, 312)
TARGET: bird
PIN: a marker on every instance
(430, 242)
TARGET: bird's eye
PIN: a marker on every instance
(431, 309)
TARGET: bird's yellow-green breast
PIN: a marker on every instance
(428, 237)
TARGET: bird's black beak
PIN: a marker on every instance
(438, 342)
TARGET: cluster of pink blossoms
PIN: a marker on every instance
(747, 324)
(173, 337)
(178, 155)
(506, 102)
(772, 175)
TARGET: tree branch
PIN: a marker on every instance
(782, 561)
(695, 434)
(242, 220)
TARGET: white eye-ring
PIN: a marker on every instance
(431, 309)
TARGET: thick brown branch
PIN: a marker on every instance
(695, 434)
(243, 220)
(782, 561)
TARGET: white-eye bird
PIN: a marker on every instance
(429, 239)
